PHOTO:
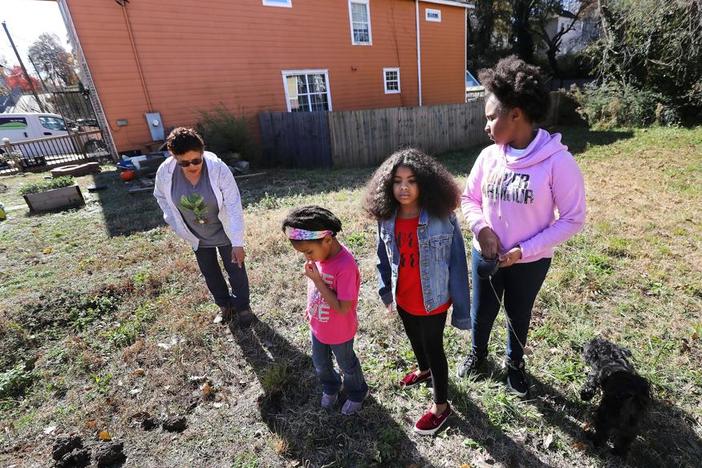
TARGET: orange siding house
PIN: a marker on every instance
(184, 56)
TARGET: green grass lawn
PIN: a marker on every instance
(104, 321)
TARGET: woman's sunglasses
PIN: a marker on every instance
(194, 162)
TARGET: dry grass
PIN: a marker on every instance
(105, 318)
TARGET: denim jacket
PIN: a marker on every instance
(443, 268)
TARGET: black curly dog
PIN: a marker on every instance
(625, 394)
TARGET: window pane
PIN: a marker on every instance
(304, 103)
(52, 123)
(359, 12)
(13, 122)
(360, 33)
(319, 102)
(294, 104)
(301, 84)
(316, 83)
(292, 87)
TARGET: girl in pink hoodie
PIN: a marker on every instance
(524, 195)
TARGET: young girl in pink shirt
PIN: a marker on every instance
(333, 283)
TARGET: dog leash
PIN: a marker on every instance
(509, 322)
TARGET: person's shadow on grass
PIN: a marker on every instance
(290, 408)
(475, 424)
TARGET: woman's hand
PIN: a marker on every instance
(511, 257)
(238, 255)
(312, 272)
(489, 243)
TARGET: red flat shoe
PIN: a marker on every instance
(413, 379)
(429, 424)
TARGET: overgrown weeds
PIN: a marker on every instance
(98, 326)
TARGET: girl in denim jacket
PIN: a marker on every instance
(422, 266)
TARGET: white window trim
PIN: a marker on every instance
(432, 10)
(285, 73)
(370, 29)
(469, 6)
(385, 80)
(273, 3)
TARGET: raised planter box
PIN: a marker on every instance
(56, 199)
(76, 170)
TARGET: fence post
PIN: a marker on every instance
(76, 142)
(11, 154)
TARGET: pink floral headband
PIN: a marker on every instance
(303, 234)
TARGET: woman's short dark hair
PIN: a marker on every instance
(514, 83)
(183, 139)
(438, 192)
(312, 218)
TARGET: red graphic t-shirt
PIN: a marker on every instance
(409, 284)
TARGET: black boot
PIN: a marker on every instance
(517, 381)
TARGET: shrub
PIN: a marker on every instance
(575, 65)
(654, 45)
(571, 66)
(58, 182)
(616, 105)
(226, 135)
(564, 110)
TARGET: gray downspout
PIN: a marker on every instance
(419, 55)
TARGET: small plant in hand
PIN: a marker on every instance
(195, 203)
(58, 182)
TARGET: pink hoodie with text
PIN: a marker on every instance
(535, 200)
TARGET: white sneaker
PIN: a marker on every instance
(351, 407)
(328, 401)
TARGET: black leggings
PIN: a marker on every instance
(427, 337)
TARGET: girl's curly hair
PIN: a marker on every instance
(517, 84)
(438, 192)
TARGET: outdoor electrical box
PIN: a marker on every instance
(153, 120)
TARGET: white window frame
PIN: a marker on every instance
(432, 10)
(278, 3)
(324, 72)
(370, 29)
(385, 80)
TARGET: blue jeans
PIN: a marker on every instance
(354, 383)
(239, 281)
(517, 286)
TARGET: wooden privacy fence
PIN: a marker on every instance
(296, 139)
(367, 137)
